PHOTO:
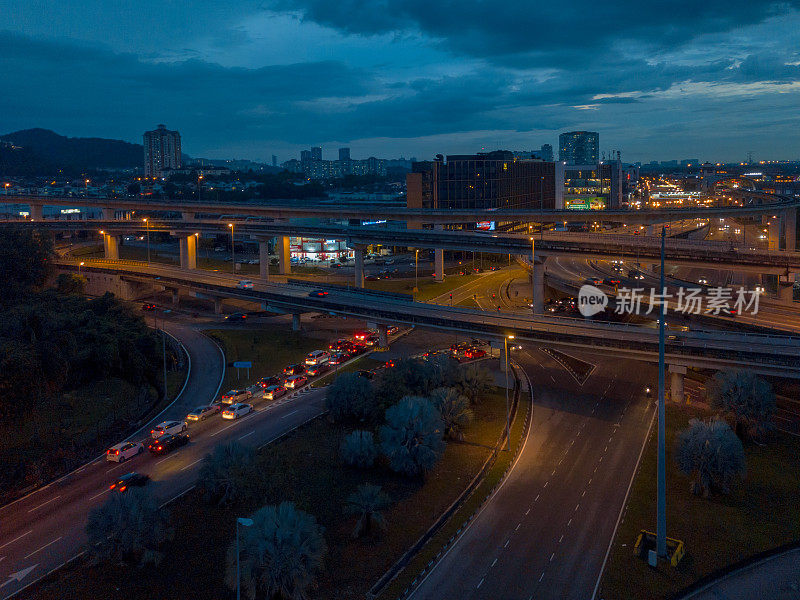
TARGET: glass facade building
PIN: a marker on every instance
(579, 147)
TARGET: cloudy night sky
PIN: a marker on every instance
(710, 80)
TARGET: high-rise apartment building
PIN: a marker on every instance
(305, 156)
(344, 153)
(547, 152)
(162, 151)
(579, 147)
(316, 153)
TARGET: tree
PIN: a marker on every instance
(358, 449)
(281, 554)
(746, 397)
(350, 398)
(412, 437)
(409, 377)
(445, 371)
(454, 410)
(227, 474)
(129, 526)
(366, 503)
(711, 454)
(24, 262)
(474, 382)
(70, 283)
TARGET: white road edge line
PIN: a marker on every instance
(622, 508)
(44, 503)
(16, 538)
(42, 548)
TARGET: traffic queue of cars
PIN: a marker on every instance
(170, 435)
(465, 351)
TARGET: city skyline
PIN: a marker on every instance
(251, 79)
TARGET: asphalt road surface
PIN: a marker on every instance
(43, 530)
(546, 531)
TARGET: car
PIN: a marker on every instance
(702, 281)
(316, 370)
(266, 382)
(294, 370)
(123, 451)
(362, 335)
(337, 357)
(166, 427)
(371, 340)
(244, 284)
(167, 443)
(234, 411)
(149, 307)
(318, 294)
(274, 392)
(202, 412)
(392, 329)
(371, 278)
(612, 281)
(317, 357)
(295, 382)
(594, 281)
(634, 274)
(339, 344)
(474, 353)
(234, 396)
(128, 481)
(336, 265)
(237, 316)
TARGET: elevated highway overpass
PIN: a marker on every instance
(772, 355)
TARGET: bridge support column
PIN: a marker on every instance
(263, 260)
(188, 248)
(651, 230)
(176, 297)
(359, 252)
(537, 284)
(676, 375)
(36, 212)
(217, 306)
(773, 233)
(790, 229)
(296, 322)
(284, 255)
(108, 214)
(383, 337)
(438, 264)
(786, 293)
(111, 246)
(188, 216)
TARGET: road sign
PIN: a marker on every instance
(243, 364)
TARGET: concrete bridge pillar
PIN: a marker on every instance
(438, 264)
(359, 251)
(650, 230)
(786, 292)
(296, 322)
(773, 233)
(36, 212)
(176, 297)
(284, 255)
(537, 285)
(108, 214)
(263, 259)
(217, 306)
(383, 337)
(188, 247)
(111, 246)
(790, 229)
(676, 375)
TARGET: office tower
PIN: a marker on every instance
(305, 156)
(316, 153)
(579, 147)
(162, 151)
(547, 152)
(344, 153)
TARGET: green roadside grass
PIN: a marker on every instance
(270, 350)
(428, 288)
(760, 513)
(304, 467)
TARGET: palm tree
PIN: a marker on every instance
(226, 474)
(474, 382)
(746, 397)
(711, 454)
(358, 449)
(129, 526)
(350, 398)
(367, 502)
(412, 437)
(455, 411)
(280, 555)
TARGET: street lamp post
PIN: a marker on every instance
(233, 251)
(416, 270)
(661, 503)
(244, 523)
(147, 227)
(508, 406)
(80, 264)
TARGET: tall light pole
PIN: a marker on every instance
(80, 264)
(244, 523)
(661, 508)
(416, 270)
(508, 405)
(147, 227)
(233, 251)
(164, 355)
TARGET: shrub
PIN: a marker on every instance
(454, 410)
(366, 503)
(412, 437)
(711, 454)
(746, 397)
(350, 398)
(227, 474)
(473, 382)
(358, 449)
